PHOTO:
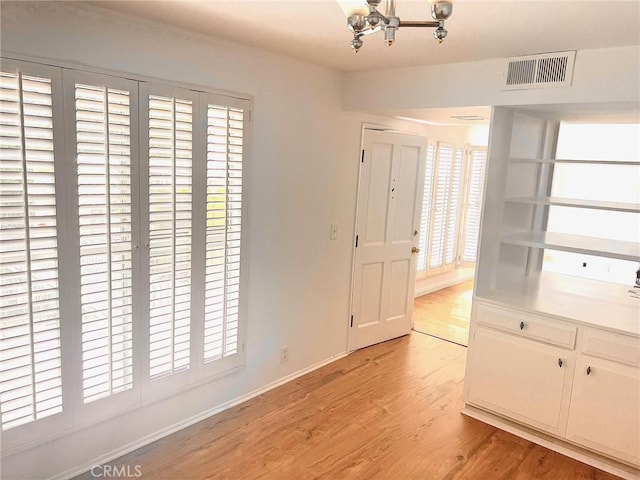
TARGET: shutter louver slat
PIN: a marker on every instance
(223, 230)
(30, 357)
(170, 217)
(105, 239)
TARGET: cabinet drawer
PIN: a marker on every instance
(528, 326)
(612, 346)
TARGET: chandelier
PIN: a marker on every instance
(367, 19)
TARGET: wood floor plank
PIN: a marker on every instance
(390, 411)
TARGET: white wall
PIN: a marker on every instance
(600, 76)
(304, 164)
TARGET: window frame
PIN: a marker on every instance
(76, 415)
(112, 404)
(23, 434)
(462, 210)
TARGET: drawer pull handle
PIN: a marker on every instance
(560, 362)
(521, 325)
(588, 370)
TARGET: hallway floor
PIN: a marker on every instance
(445, 314)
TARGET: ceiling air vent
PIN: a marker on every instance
(544, 70)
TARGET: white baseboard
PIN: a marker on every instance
(130, 447)
(557, 445)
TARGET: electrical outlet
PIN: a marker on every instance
(284, 354)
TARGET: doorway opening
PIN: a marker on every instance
(449, 230)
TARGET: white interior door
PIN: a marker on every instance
(388, 221)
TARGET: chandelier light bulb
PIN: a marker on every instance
(353, 7)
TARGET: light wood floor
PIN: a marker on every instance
(445, 313)
(386, 412)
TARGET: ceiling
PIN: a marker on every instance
(316, 31)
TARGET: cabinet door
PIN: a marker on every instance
(605, 408)
(524, 380)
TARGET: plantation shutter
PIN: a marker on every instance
(224, 202)
(478, 160)
(425, 221)
(103, 147)
(442, 185)
(453, 208)
(30, 355)
(170, 233)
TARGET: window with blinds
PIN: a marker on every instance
(441, 203)
(450, 225)
(425, 221)
(103, 147)
(170, 233)
(453, 208)
(475, 187)
(224, 206)
(30, 359)
(101, 312)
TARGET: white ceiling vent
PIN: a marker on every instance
(544, 70)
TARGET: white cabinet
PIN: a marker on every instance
(549, 300)
(605, 414)
(522, 379)
(526, 368)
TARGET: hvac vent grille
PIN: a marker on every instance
(540, 71)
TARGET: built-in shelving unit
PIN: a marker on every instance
(555, 357)
(514, 234)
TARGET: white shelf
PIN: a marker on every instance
(577, 244)
(609, 305)
(571, 202)
(567, 160)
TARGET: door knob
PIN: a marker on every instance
(415, 249)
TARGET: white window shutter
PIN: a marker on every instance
(475, 187)
(453, 208)
(30, 364)
(103, 146)
(442, 186)
(170, 233)
(425, 221)
(224, 205)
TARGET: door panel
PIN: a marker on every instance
(400, 274)
(389, 209)
(375, 190)
(405, 194)
(372, 275)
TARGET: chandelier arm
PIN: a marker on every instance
(411, 23)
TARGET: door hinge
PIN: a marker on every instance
(352, 320)
(356, 241)
(362, 157)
